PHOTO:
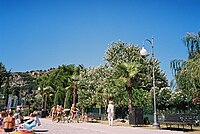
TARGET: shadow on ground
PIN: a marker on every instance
(179, 129)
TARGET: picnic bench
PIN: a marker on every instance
(179, 119)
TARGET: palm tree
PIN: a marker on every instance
(68, 96)
(127, 74)
(48, 91)
(42, 83)
(75, 79)
(192, 42)
(134, 70)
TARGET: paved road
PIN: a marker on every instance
(96, 128)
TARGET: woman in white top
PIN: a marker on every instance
(110, 112)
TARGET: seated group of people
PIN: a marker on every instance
(14, 122)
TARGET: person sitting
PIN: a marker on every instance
(33, 122)
(2, 116)
(9, 123)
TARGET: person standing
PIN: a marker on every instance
(72, 111)
(60, 113)
(110, 111)
(54, 113)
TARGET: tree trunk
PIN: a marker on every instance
(129, 100)
(42, 101)
(45, 104)
(65, 103)
(129, 88)
(75, 92)
(7, 96)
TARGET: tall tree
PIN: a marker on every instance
(120, 52)
(75, 78)
(192, 42)
(187, 72)
(133, 70)
(4, 74)
(5, 77)
(127, 74)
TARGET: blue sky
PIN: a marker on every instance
(40, 34)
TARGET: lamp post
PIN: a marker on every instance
(143, 51)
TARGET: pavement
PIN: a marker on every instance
(95, 128)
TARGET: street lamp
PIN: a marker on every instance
(143, 51)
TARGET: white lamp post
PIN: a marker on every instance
(143, 51)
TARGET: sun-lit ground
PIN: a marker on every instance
(196, 129)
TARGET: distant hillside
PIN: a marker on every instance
(20, 79)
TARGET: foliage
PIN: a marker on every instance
(93, 89)
(52, 86)
(192, 42)
(188, 76)
(140, 97)
(119, 52)
(3, 74)
(164, 98)
(133, 71)
(181, 101)
(126, 78)
(187, 73)
(60, 84)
